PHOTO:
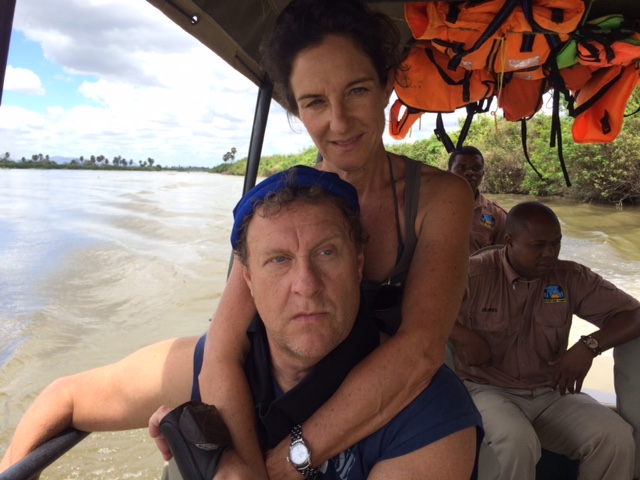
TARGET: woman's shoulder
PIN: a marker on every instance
(435, 182)
(429, 172)
(437, 185)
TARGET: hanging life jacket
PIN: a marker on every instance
(607, 41)
(425, 84)
(601, 103)
(531, 32)
(520, 98)
(506, 35)
(466, 33)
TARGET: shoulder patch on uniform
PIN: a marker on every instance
(488, 220)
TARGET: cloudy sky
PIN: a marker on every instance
(116, 77)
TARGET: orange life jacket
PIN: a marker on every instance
(601, 102)
(427, 85)
(505, 35)
(465, 32)
(531, 32)
(608, 40)
(521, 99)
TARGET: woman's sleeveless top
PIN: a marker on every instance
(390, 318)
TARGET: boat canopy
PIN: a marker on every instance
(234, 29)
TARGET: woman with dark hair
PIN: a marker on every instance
(333, 64)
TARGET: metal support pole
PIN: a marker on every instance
(7, 9)
(263, 104)
(257, 134)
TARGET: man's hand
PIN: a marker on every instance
(231, 466)
(156, 434)
(572, 368)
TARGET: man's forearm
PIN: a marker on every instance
(619, 329)
(49, 415)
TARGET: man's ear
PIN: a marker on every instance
(247, 278)
(508, 239)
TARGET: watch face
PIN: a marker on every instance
(298, 454)
(592, 343)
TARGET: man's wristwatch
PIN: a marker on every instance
(592, 344)
(300, 455)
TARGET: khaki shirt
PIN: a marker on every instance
(489, 220)
(526, 323)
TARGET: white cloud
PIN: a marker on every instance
(149, 90)
(21, 80)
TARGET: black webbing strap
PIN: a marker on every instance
(523, 135)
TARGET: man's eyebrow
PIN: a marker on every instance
(331, 237)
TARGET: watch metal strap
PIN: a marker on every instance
(306, 470)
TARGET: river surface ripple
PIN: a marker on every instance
(94, 265)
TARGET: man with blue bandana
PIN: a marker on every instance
(299, 237)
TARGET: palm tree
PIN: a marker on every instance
(230, 155)
(150, 161)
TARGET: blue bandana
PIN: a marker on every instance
(298, 176)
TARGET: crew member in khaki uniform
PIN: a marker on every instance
(511, 346)
(488, 217)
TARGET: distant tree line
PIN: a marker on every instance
(92, 162)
